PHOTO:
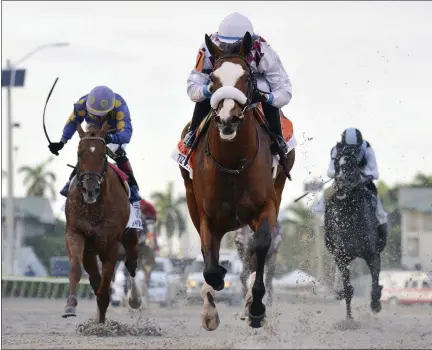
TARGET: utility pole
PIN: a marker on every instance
(10, 218)
(13, 77)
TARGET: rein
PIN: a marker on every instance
(101, 175)
(233, 171)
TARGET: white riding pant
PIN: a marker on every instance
(114, 147)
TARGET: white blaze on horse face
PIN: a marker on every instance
(225, 112)
(228, 74)
(92, 149)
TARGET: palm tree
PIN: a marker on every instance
(422, 180)
(170, 213)
(297, 245)
(39, 179)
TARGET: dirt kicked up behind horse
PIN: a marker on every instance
(232, 184)
(97, 213)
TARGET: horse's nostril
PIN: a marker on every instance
(83, 189)
(218, 119)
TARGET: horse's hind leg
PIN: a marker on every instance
(271, 268)
(374, 264)
(75, 247)
(131, 246)
(109, 260)
(348, 290)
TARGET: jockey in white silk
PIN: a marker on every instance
(265, 64)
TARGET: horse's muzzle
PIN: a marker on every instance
(90, 190)
(228, 128)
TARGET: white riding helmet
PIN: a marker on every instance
(234, 27)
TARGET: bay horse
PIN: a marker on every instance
(232, 184)
(97, 212)
(243, 242)
(351, 226)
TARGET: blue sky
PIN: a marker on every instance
(361, 64)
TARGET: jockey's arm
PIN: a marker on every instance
(272, 68)
(77, 116)
(371, 168)
(331, 171)
(124, 128)
(198, 83)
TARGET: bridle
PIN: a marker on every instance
(252, 87)
(251, 83)
(81, 176)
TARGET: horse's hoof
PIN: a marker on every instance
(256, 321)
(210, 321)
(376, 307)
(135, 303)
(245, 314)
(69, 311)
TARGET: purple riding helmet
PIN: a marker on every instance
(100, 101)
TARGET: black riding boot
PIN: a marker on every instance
(382, 237)
(273, 117)
(65, 189)
(200, 112)
(125, 166)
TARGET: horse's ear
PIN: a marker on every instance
(212, 47)
(104, 129)
(80, 130)
(246, 45)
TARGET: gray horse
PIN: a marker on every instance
(351, 226)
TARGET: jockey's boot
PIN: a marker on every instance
(65, 190)
(125, 166)
(382, 236)
(200, 112)
(272, 115)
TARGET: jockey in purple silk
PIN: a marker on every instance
(101, 105)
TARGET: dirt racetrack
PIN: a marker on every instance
(37, 324)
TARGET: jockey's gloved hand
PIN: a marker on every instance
(108, 138)
(260, 97)
(55, 147)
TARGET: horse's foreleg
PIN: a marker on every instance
(374, 264)
(91, 266)
(261, 242)
(213, 274)
(75, 246)
(131, 246)
(348, 290)
(109, 261)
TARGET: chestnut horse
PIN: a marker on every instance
(232, 183)
(97, 212)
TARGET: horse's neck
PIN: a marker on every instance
(242, 148)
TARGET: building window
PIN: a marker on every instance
(413, 247)
(427, 222)
(412, 221)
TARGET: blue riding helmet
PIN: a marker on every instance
(100, 101)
